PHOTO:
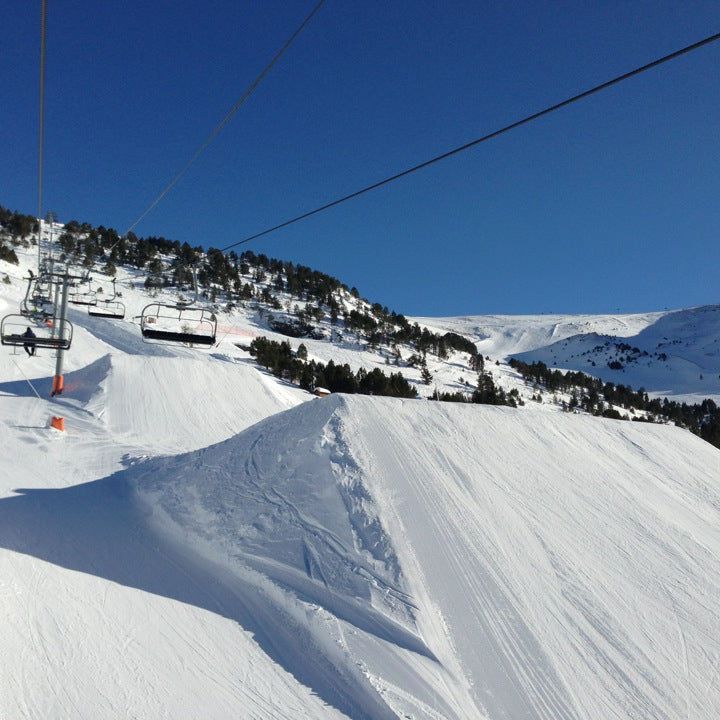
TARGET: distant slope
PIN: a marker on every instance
(674, 354)
(503, 335)
(677, 356)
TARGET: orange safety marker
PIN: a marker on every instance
(58, 423)
(58, 385)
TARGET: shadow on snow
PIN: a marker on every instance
(99, 528)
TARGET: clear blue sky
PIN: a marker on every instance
(612, 203)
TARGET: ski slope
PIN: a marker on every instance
(501, 336)
(99, 620)
(673, 354)
(207, 541)
(372, 557)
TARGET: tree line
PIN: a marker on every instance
(236, 278)
(595, 396)
(279, 358)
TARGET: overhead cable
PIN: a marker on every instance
(484, 138)
(41, 128)
(228, 116)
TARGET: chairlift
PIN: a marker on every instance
(180, 323)
(40, 298)
(34, 304)
(76, 297)
(109, 308)
(14, 327)
(173, 324)
(42, 292)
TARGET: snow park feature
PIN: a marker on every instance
(207, 539)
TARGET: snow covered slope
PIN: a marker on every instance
(673, 353)
(504, 335)
(474, 561)
(379, 557)
(100, 620)
(208, 541)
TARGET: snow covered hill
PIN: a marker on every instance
(207, 540)
(673, 354)
(378, 557)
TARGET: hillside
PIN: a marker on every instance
(207, 539)
(674, 354)
(514, 586)
(429, 576)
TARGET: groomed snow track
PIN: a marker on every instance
(375, 558)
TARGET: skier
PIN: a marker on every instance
(29, 346)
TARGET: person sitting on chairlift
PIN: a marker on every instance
(28, 346)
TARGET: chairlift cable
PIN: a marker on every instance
(490, 136)
(229, 115)
(22, 372)
(41, 127)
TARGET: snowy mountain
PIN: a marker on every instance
(209, 540)
(673, 354)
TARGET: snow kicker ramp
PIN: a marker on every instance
(477, 561)
(167, 405)
(403, 559)
(174, 404)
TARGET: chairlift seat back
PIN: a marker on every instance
(177, 325)
(107, 309)
(13, 327)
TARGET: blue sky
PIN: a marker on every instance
(610, 204)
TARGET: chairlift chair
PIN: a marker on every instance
(82, 298)
(180, 323)
(36, 313)
(12, 328)
(37, 309)
(40, 299)
(109, 308)
(34, 304)
(42, 292)
(173, 324)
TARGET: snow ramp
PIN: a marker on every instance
(174, 404)
(439, 560)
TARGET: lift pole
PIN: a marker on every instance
(58, 382)
(39, 242)
(56, 306)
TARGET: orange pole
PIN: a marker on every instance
(58, 423)
(58, 385)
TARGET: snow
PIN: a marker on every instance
(690, 340)
(207, 541)
(521, 567)
(504, 335)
